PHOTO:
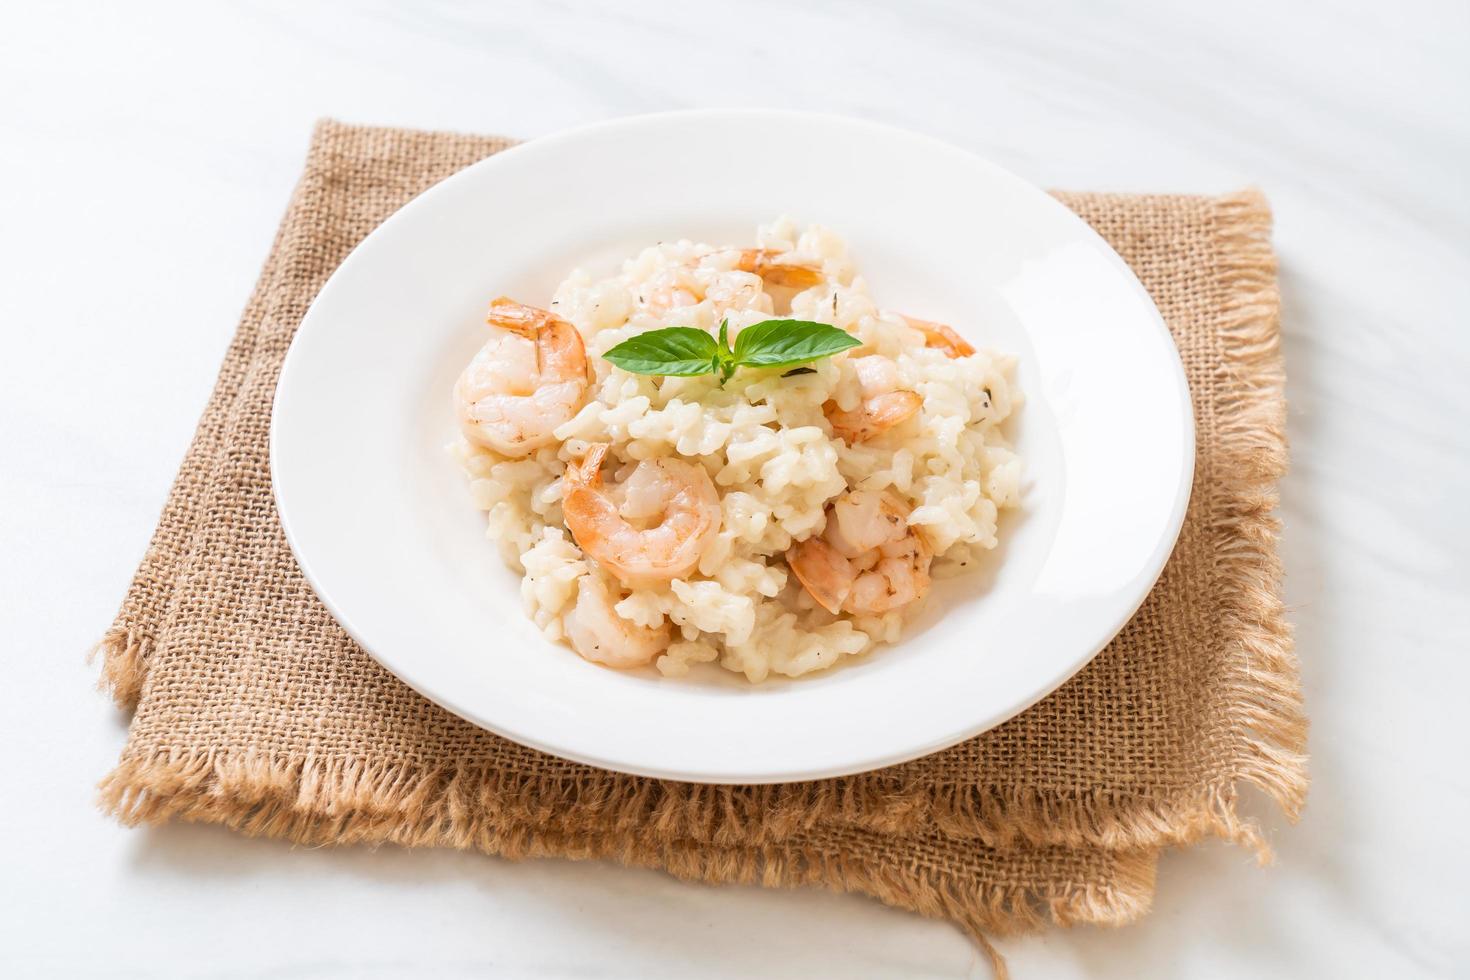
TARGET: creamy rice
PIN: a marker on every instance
(767, 445)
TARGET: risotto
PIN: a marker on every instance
(773, 521)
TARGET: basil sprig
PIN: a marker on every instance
(688, 351)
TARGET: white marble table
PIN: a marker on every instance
(148, 152)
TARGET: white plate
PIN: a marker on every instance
(381, 521)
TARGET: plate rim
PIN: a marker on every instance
(1148, 576)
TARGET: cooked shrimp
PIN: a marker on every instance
(667, 517)
(529, 378)
(883, 404)
(868, 560)
(600, 635)
(940, 336)
(772, 266)
(669, 288)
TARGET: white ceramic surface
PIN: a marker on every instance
(380, 518)
(149, 151)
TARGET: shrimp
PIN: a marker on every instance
(940, 336)
(600, 635)
(883, 406)
(868, 561)
(668, 517)
(529, 378)
(771, 266)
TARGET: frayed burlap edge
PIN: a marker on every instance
(1263, 711)
(263, 797)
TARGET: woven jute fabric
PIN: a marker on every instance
(253, 708)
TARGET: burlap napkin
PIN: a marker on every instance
(253, 708)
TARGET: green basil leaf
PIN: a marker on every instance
(670, 352)
(780, 343)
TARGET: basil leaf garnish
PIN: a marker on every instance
(688, 351)
(672, 351)
(783, 343)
